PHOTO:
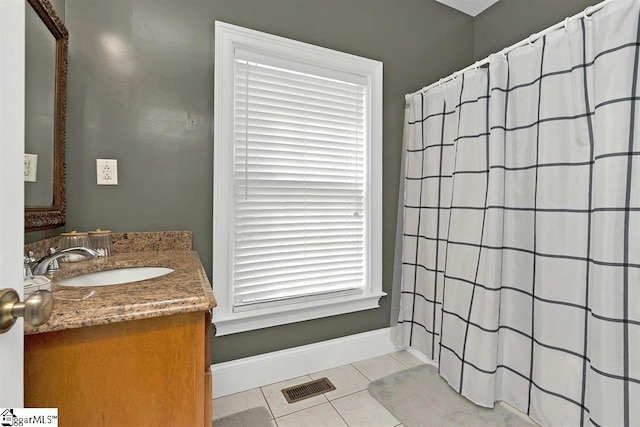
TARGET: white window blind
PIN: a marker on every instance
(298, 186)
(297, 181)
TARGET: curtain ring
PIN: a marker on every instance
(585, 13)
(504, 53)
(566, 24)
(440, 82)
(529, 40)
(454, 75)
(475, 66)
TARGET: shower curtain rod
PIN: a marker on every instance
(590, 10)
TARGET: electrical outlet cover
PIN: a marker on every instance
(107, 171)
(30, 167)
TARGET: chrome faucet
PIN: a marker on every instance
(49, 263)
(28, 261)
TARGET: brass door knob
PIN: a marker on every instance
(36, 309)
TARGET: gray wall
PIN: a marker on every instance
(509, 21)
(141, 91)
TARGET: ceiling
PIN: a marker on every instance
(470, 7)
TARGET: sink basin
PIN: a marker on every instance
(116, 277)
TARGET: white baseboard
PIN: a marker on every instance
(257, 371)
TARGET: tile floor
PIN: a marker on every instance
(349, 405)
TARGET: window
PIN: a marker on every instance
(297, 181)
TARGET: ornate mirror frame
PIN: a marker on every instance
(42, 217)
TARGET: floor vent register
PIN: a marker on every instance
(304, 391)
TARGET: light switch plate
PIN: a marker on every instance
(107, 171)
(30, 167)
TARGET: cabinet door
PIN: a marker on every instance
(143, 372)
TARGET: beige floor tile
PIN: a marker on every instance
(379, 367)
(406, 358)
(323, 415)
(233, 403)
(279, 405)
(362, 410)
(347, 380)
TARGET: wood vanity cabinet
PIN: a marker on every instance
(148, 372)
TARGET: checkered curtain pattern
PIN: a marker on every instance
(520, 266)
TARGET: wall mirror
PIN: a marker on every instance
(46, 45)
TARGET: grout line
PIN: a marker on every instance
(273, 415)
(264, 396)
(404, 364)
(398, 360)
(308, 407)
(350, 394)
(339, 414)
(362, 373)
(377, 403)
(240, 410)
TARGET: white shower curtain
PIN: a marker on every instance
(520, 265)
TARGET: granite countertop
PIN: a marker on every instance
(186, 289)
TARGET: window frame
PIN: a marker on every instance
(229, 39)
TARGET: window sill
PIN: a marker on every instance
(265, 318)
